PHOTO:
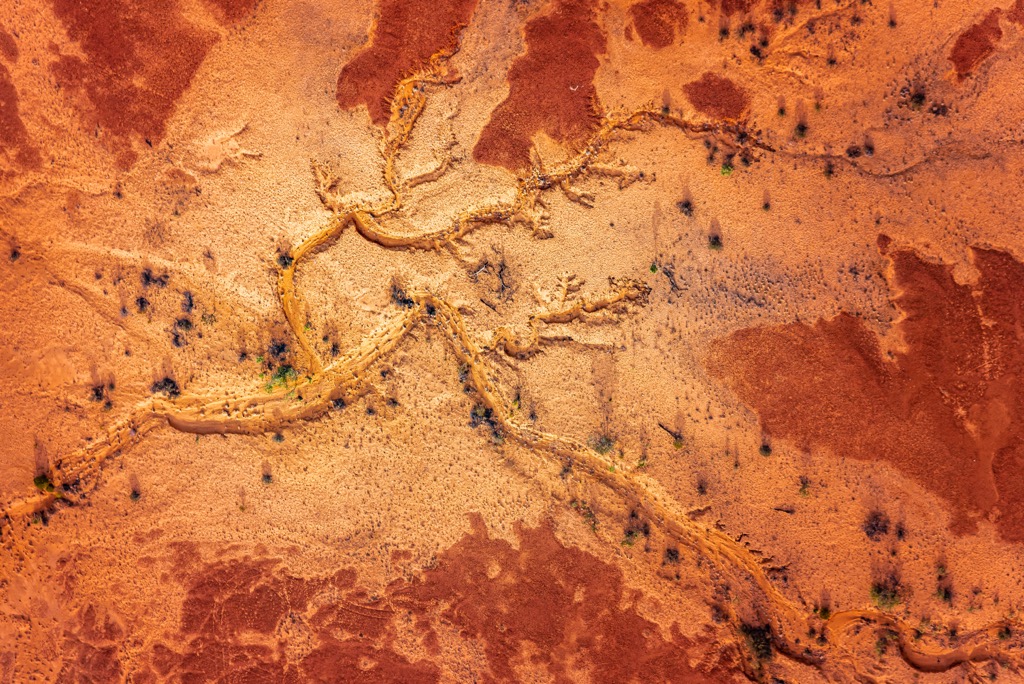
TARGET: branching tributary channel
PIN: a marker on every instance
(795, 630)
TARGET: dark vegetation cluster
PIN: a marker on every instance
(167, 385)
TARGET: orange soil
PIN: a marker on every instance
(659, 23)
(976, 43)
(717, 96)
(405, 36)
(550, 87)
(942, 412)
(946, 412)
(139, 59)
(496, 595)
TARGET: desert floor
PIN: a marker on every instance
(514, 340)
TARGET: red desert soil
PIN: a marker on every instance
(976, 43)
(759, 12)
(232, 11)
(550, 87)
(947, 411)
(1016, 13)
(13, 136)
(731, 7)
(14, 140)
(717, 96)
(8, 46)
(564, 601)
(659, 23)
(405, 36)
(139, 59)
(513, 602)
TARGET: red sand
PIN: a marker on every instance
(405, 36)
(491, 592)
(8, 48)
(717, 96)
(975, 44)
(14, 140)
(659, 23)
(945, 413)
(232, 11)
(731, 7)
(1016, 13)
(759, 11)
(533, 597)
(550, 87)
(139, 59)
(93, 649)
(232, 607)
